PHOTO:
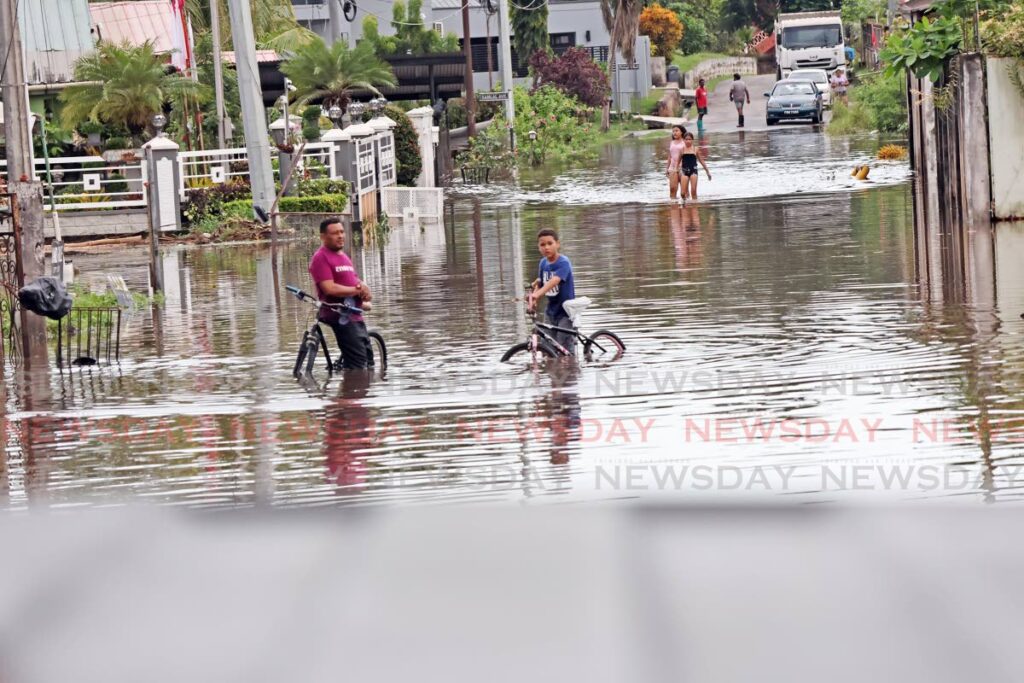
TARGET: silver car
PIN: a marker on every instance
(794, 100)
(820, 78)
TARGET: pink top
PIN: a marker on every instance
(675, 153)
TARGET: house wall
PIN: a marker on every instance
(1006, 139)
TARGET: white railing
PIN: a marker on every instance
(211, 167)
(322, 153)
(91, 182)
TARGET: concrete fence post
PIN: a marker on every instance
(163, 174)
(423, 122)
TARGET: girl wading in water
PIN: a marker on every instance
(690, 157)
(675, 156)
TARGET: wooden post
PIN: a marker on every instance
(28, 221)
(467, 50)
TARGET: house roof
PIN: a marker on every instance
(54, 34)
(262, 56)
(136, 22)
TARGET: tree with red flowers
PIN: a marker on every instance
(574, 73)
(664, 29)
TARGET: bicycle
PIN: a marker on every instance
(313, 339)
(605, 343)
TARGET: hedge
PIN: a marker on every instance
(325, 203)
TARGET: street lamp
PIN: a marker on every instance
(334, 113)
(377, 105)
(159, 121)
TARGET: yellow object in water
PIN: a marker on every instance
(856, 170)
(862, 172)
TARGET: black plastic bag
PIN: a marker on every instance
(46, 296)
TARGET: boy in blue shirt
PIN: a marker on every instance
(554, 280)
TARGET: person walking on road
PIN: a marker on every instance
(702, 104)
(737, 94)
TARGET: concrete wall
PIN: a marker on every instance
(99, 223)
(1006, 139)
(711, 68)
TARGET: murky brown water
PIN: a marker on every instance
(780, 336)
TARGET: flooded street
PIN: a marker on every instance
(784, 338)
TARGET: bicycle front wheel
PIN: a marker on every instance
(603, 345)
(312, 347)
(301, 357)
(524, 348)
(378, 352)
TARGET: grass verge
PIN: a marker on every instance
(687, 62)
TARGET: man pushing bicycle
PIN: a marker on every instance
(337, 282)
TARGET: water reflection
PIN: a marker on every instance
(740, 317)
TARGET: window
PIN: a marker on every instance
(560, 42)
(784, 89)
(798, 37)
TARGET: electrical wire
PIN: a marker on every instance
(532, 8)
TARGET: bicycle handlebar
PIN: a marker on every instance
(303, 296)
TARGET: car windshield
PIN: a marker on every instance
(797, 37)
(784, 89)
(816, 76)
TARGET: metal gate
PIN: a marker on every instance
(11, 278)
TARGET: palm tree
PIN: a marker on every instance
(330, 74)
(622, 19)
(123, 84)
(273, 21)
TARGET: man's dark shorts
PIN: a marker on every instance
(354, 343)
(702, 111)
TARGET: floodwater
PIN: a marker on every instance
(788, 336)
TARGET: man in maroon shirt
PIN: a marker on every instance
(702, 103)
(337, 282)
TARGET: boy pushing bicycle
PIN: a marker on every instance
(555, 281)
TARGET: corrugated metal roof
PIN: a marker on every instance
(136, 22)
(54, 34)
(262, 56)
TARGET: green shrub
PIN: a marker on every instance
(886, 103)
(877, 103)
(407, 147)
(846, 119)
(561, 123)
(311, 187)
(329, 204)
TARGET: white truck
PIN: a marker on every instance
(809, 40)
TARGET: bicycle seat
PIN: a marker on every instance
(575, 307)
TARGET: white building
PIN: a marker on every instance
(570, 23)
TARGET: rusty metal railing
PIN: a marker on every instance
(89, 335)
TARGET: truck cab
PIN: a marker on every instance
(809, 40)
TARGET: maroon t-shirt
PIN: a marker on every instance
(336, 266)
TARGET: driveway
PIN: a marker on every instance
(721, 115)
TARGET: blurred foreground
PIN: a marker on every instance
(633, 593)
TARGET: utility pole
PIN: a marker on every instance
(21, 179)
(218, 75)
(505, 38)
(254, 119)
(334, 19)
(467, 50)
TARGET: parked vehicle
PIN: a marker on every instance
(794, 100)
(809, 40)
(820, 79)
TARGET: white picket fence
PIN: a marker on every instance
(211, 167)
(91, 182)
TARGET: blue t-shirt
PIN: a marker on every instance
(563, 291)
